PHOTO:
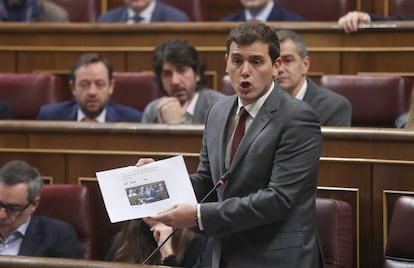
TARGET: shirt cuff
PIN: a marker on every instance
(367, 16)
(199, 221)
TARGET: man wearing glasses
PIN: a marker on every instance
(21, 233)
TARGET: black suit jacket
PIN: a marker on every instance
(375, 17)
(46, 237)
(5, 111)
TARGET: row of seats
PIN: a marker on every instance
(197, 10)
(376, 101)
(26, 93)
(74, 204)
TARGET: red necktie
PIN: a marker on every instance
(238, 134)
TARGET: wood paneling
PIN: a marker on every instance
(54, 48)
(357, 164)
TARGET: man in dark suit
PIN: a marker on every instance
(144, 11)
(350, 21)
(180, 74)
(5, 111)
(331, 108)
(262, 214)
(21, 233)
(92, 85)
(262, 10)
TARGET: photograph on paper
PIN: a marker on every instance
(135, 192)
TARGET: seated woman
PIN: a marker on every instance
(138, 238)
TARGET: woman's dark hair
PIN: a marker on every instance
(135, 243)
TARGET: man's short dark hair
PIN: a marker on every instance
(285, 35)
(250, 32)
(89, 58)
(178, 52)
(17, 171)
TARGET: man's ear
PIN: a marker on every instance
(226, 57)
(306, 64)
(35, 203)
(72, 86)
(276, 66)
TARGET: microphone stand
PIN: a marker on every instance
(220, 182)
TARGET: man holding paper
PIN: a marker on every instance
(262, 213)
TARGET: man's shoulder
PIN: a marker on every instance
(113, 15)
(58, 106)
(279, 13)
(118, 112)
(239, 16)
(325, 95)
(169, 13)
(50, 224)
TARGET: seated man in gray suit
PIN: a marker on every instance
(144, 11)
(332, 109)
(92, 85)
(180, 74)
(22, 233)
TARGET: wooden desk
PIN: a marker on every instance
(364, 166)
(54, 47)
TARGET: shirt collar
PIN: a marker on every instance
(145, 14)
(302, 91)
(263, 15)
(192, 105)
(254, 107)
(100, 118)
(23, 228)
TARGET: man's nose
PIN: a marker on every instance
(176, 78)
(3, 213)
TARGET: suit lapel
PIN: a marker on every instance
(31, 239)
(261, 120)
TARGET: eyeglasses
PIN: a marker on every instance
(13, 210)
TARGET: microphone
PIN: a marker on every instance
(223, 179)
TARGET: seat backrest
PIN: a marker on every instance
(399, 250)
(376, 101)
(26, 93)
(197, 10)
(81, 10)
(334, 219)
(317, 11)
(225, 86)
(135, 89)
(401, 7)
(72, 203)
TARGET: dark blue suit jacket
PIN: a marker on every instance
(46, 237)
(67, 111)
(375, 17)
(162, 12)
(5, 111)
(278, 14)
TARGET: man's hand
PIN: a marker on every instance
(170, 111)
(179, 216)
(143, 161)
(350, 22)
